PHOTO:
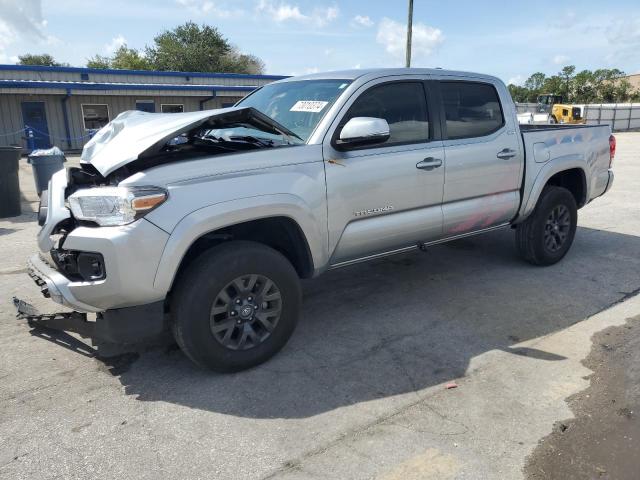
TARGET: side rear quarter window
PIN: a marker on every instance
(402, 104)
(471, 109)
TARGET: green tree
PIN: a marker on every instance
(607, 85)
(567, 76)
(124, 58)
(584, 87)
(42, 59)
(554, 85)
(518, 93)
(600, 86)
(534, 84)
(130, 59)
(99, 61)
(199, 48)
(186, 48)
(623, 91)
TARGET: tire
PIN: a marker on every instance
(552, 120)
(205, 299)
(539, 239)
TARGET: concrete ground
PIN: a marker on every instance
(359, 392)
(602, 440)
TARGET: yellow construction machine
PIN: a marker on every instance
(558, 111)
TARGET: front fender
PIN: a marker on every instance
(225, 214)
(534, 184)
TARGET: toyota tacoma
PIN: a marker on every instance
(204, 222)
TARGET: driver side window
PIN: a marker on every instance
(402, 104)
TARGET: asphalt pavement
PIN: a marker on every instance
(360, 390)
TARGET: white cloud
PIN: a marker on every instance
(115, 43)
(283, 12)
(516, 80)
(307, 71)
(327, 14)
(623, 37)
(625, 31)
(393, 36)
(23, 17)
(207, 7)
(561, 59)
(362, 21)
(21, 20)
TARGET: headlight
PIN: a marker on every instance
(108, 206)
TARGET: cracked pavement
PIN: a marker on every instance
(359, 392)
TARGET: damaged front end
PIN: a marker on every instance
(93, 226)
(91, 196)
(135, 141)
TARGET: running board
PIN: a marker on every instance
(421, 245)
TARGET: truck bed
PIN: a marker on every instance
(551, 148)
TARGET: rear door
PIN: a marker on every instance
(35, 122)
(381, 197)
(483, 158)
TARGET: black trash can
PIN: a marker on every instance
(9, 184)
(44, 164)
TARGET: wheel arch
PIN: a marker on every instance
(574, 180)
(282, 222)
(568, 172)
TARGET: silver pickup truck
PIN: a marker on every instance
(205, 222)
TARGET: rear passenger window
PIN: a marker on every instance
(403, 105)
(471, 109)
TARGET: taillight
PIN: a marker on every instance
(612, 148)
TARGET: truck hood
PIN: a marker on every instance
(133, 134)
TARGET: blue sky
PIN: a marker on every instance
(510, 40)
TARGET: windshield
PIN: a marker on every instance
(297, 105)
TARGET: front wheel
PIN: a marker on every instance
(546, 236)
(235, 306)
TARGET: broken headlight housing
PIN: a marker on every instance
(111, 206)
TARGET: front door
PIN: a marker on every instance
(146, 106)
(382, 198)
(35, 121)
(483, 166)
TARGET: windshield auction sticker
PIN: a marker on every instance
(313, 106)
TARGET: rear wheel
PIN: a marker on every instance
(235, 306)
(546, 236)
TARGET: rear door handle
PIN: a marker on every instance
(506, 154)
(429, 163)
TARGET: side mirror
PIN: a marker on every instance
(363, 131)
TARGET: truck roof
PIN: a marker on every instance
(373, 73)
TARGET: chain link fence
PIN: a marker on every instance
(621, 116)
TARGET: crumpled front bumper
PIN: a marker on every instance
(131, 255)
(55, 285)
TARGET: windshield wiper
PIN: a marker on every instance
(263, 142)
(266, 119)
(249, 116)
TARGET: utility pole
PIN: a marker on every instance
(409, 33)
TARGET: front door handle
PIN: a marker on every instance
(429, 163)
(506, 154)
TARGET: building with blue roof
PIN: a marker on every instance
(63, 106)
